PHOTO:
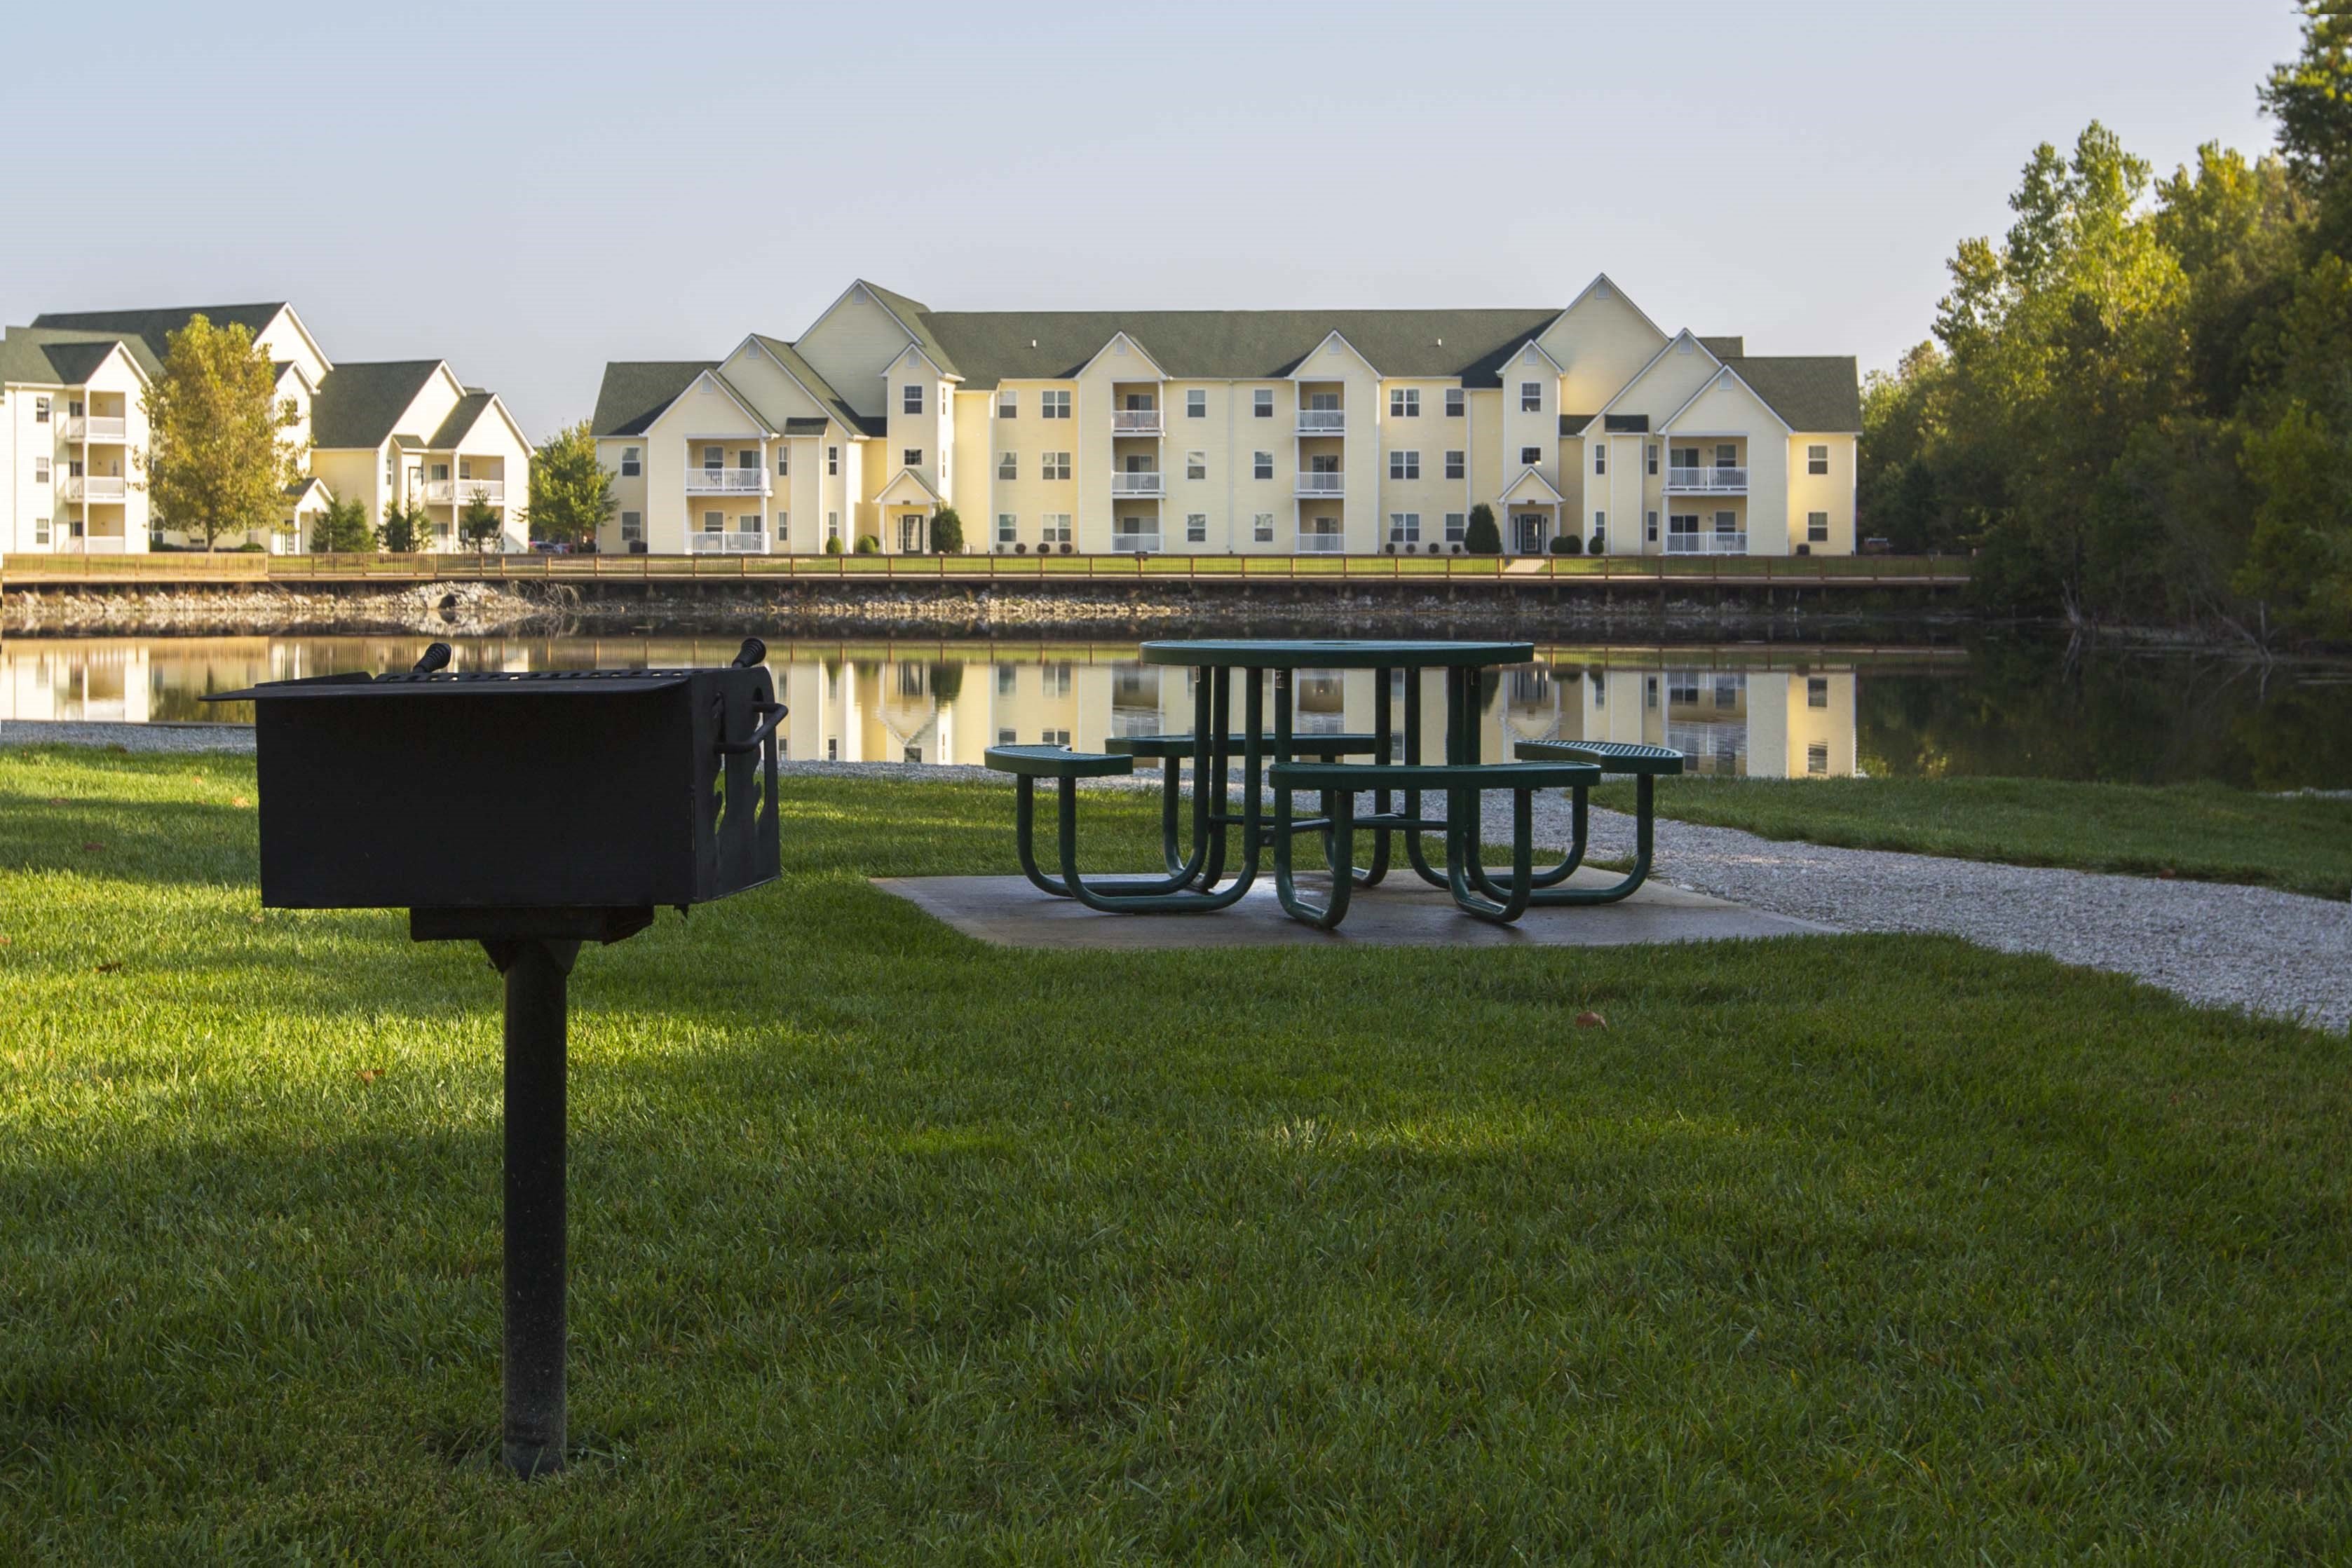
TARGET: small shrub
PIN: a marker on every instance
(868, 545)
(1599, 544)
(1021, 549)
(1568, 544)
(1480, 536)
(947, 531)
(833, 546)
(1066, 546)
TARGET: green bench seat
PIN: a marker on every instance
(1474, 893)
(1056, 762)
(1173, 750)
(1646, 764)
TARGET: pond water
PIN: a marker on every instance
(1998, 707)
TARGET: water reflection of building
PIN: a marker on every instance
(1731, 723)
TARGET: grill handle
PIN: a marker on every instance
(757, 738)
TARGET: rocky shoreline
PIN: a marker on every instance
(482, 609)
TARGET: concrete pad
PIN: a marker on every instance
(1399, 912)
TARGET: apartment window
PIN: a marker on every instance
(1196, 404)
(784, 461)
(714, 458)
(1262, 465)
(391, 466)
(1727, 455)
(74, 407)
(1817, 459)
(1196, 528)
(1817, 528)
(833, 527)
(912, 456)
(1531, 397)
(1008, 466)
(1196, 466)
(1455, 528)
(1817, 691)
(40, 470)
(1601, 457)
(1054, 737)
(1404, 527)
(1007, 677)
(1262, 528)
(1054, 465)
(1650, 456)
(749, 523)
(1599, 529)
(1817, 759)
(833, 748)
(1008, 736)
(1404, 464)
(1008, 403)
(1057, 528)
(1453, 464)
(632, 462)
(1532, 455)
(1054, 681)
(1008, 527)
(911, 399)
(1260, 402)
(833, 460)
(41, 530)
(1650, 692)
(714, 522)
(1650, 527)
(783, 527)
(41, 410)
(1053, 406)
(1453, 402)
(1405, 403)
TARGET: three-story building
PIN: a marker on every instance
(1263, 432)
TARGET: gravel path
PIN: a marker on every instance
(2280, 953)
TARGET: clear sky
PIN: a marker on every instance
(531, 191)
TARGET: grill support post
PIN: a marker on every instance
(536, 970)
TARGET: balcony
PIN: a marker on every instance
(726, 481)
(1709, 481)
(1134, 544)
(1130, 485)
(1135, 421)
(1311, 542)
(453, 492)
(752, 543)
(1322, 421)
(97, 427)
(1706, 544)
(1322, 485)
(93, 488)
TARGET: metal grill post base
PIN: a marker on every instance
(535, 970)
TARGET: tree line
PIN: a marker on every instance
(2137, 405)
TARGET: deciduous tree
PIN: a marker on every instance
(570, 492)
(219, 459)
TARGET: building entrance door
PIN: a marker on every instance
(1529, 528)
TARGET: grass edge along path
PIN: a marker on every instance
(2211, 833)
(890, 1246)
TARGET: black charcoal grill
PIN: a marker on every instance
(549, 809)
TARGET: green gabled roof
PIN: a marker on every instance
(360, 405)
(991, 346)
(154, 326)
(806, 424)
(57, 356)
(1725, 348)
(832, 402)
(635, 392)
(470, 407)
(1819, 394)
(1573, 423)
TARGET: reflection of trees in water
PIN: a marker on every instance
(2024, 709)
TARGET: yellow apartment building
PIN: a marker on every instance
(73, 434)
(1243, 431)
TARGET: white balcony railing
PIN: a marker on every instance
(1322, 485)
(726, 481)
(1708, 543)
(105, 487)
(1321, 543)
(726, 544)
(1133, 483)
(1715, 480)
(1134, 544)
(1135, 421)
(1322, 421)
(97, 427)
(457, 492)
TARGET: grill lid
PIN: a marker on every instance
(431, 678)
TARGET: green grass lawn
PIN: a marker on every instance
(890, 1246)
(2208, 832)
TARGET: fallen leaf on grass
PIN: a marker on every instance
(3, 941)
(1589, 1020)
(254, 918)
(370, 1074)
(238, 801)
(110, 966)
(93, 847)
(57, 800)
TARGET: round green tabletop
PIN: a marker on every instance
(1242, 654)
